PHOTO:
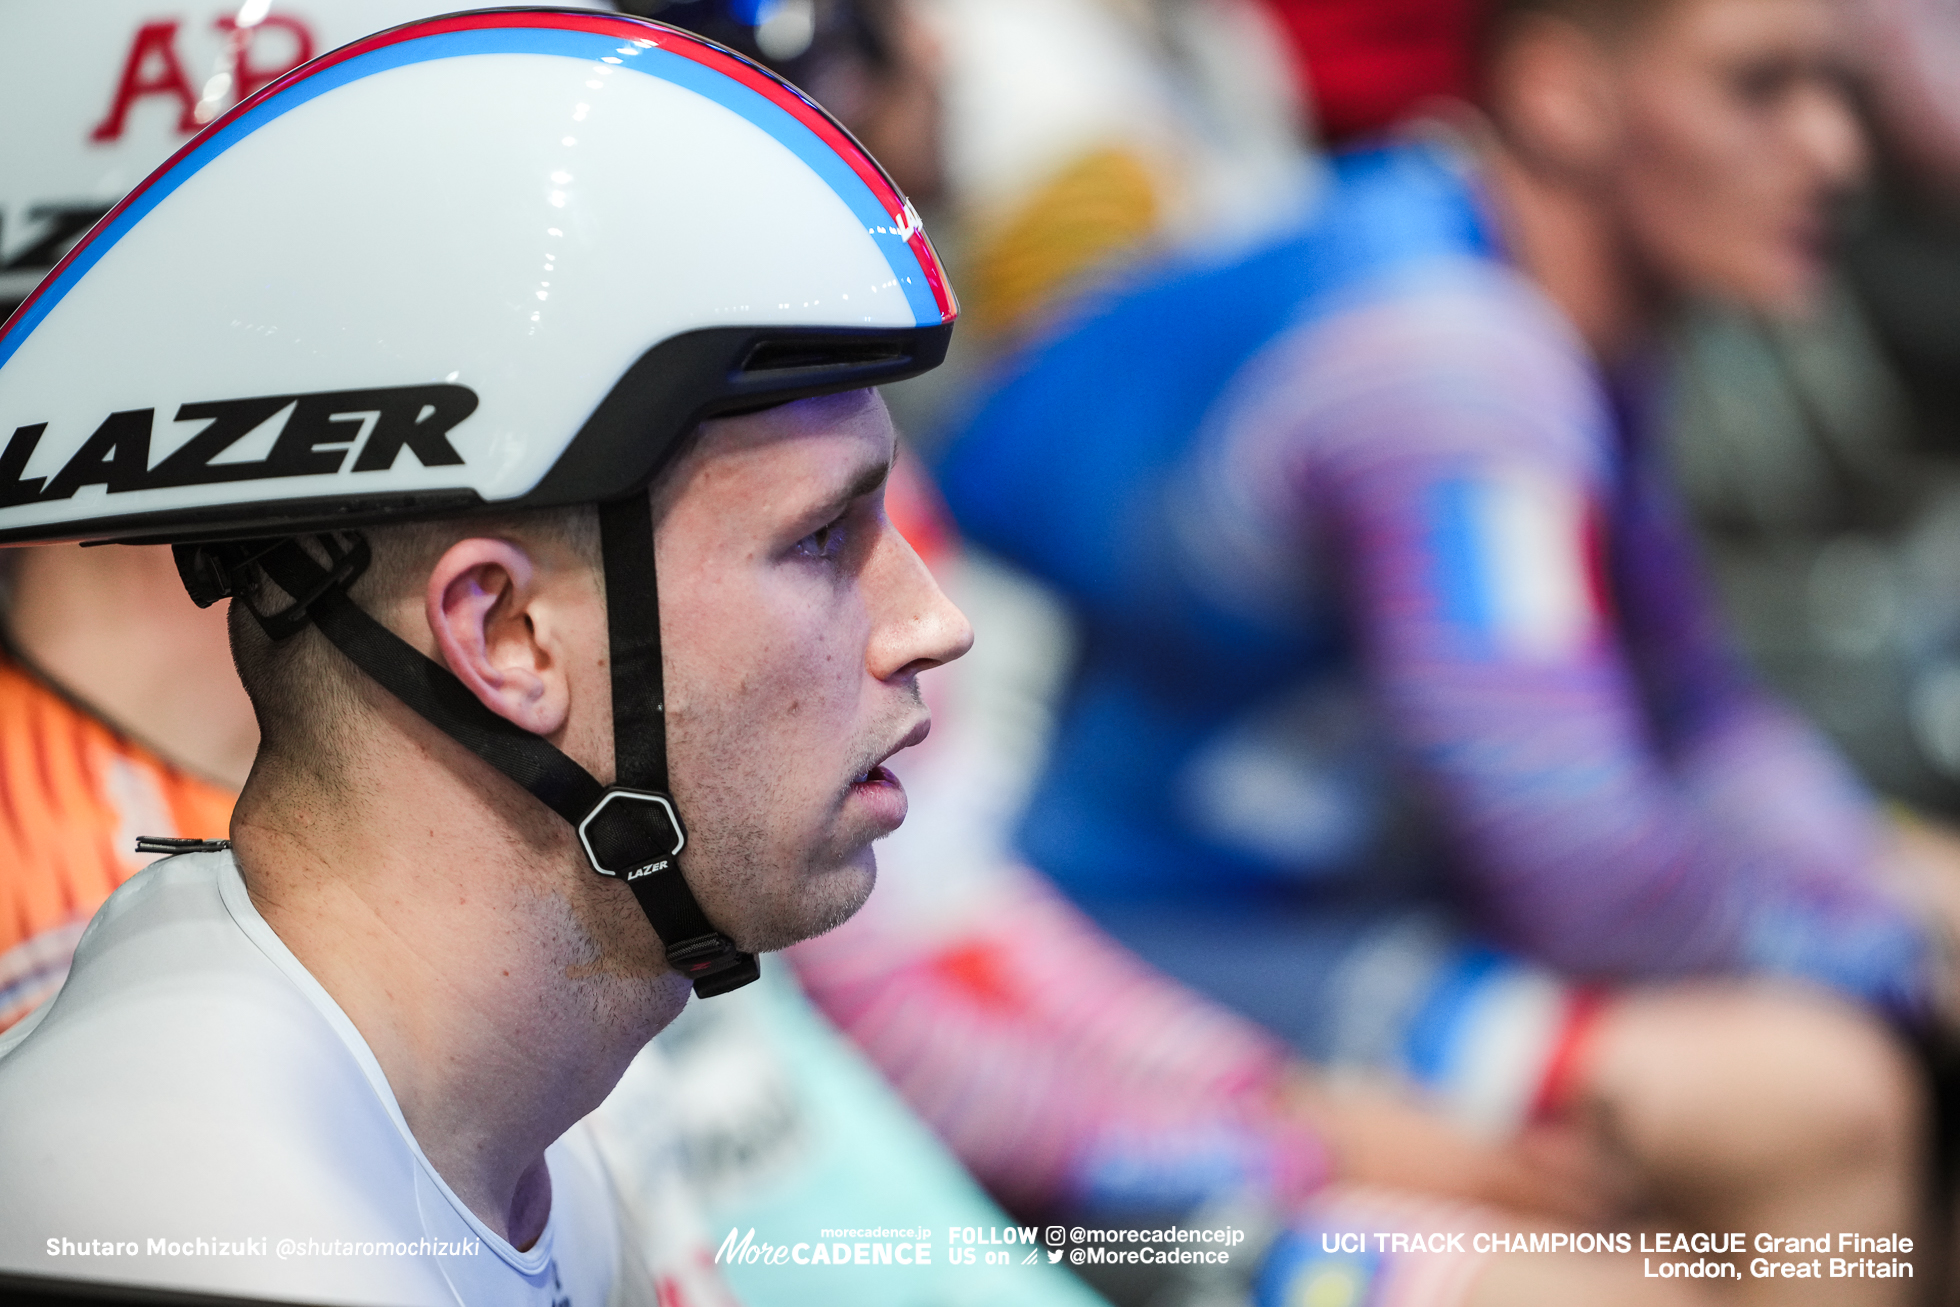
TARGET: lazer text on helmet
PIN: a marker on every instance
(318, 436)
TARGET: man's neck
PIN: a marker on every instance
(433, 917)
(1564, 234)
(113, 627)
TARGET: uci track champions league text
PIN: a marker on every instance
(1665, 1255)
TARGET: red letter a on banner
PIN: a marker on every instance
(159, 40)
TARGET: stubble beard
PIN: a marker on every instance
(612, 963)
(766, 905)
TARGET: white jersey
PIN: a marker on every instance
(193, 1110)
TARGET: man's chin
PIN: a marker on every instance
(1787, 285)
(824, 900)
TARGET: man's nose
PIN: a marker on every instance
(915, 626)
(1827, 132)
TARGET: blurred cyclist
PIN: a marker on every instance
(1392, 642)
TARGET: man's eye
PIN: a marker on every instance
(1761, 85)
(824, 542)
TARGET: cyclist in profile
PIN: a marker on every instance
(511, 803)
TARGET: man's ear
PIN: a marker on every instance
(479, 600)
(1553, 92)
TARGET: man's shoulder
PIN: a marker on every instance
(181, 1074)
(166, 958)
(1442, 309)
(192, 1097)
(1455, 355)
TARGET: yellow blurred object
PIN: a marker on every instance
(1094, 212)
(1333, 1286)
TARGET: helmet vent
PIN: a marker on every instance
(805, 353)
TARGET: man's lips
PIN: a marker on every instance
(877, 771)
(877, 793)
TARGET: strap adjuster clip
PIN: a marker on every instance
(713, 965)
(296, 572)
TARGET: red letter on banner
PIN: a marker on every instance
(154, 41)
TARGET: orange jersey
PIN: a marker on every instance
(74, 795)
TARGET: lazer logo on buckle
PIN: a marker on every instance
(319, 433)
(649, 869)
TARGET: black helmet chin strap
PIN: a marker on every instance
(636, 816)
(629, 829)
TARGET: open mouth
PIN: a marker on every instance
(877, 773)
(877, 796)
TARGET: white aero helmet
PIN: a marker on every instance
(494, 260)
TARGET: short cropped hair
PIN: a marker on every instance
(306, 694)
(1609, 20)
(1600, 15)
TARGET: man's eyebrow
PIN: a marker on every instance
(867, 481)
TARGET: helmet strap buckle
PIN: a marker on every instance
(344, 565)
